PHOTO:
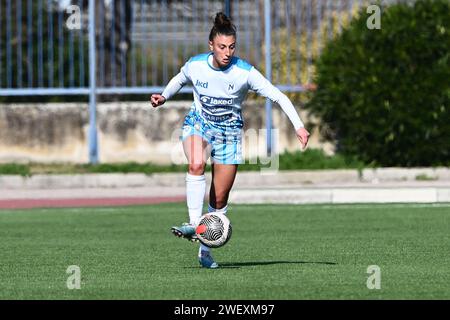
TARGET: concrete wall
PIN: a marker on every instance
(128, 131)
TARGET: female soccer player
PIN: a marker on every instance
(213, 126)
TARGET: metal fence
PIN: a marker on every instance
(87, 47)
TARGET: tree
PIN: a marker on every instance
(383, 95)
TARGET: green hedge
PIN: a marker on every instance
(311, 159)
(383, 95)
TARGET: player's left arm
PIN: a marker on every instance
(263, 87)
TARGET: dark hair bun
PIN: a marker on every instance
(222, 25)
(222, 21)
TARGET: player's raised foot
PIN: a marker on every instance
(186, 231)
(206, 260)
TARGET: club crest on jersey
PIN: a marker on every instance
(201, 84)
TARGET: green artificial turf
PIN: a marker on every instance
(276, 252)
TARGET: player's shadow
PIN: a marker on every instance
(264, 263)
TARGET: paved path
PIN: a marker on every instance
(88, 197)
(342, 192)
(84, 202)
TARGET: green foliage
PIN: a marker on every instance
(383, 95)
(14, 169)
(311, 159)
(425, 177)
(316, 159)
(130, 167)
(125, 167)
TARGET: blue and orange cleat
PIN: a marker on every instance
(206, 260)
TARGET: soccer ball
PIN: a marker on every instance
(214, 230)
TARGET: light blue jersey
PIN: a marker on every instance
(219, 93)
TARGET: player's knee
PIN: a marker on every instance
(196, 168)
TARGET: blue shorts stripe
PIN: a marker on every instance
(223, 143)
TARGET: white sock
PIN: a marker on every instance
(223, 210)
(211, 209)
(195, 193)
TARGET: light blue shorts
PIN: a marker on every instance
(226, 143)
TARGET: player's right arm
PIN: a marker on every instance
(174, 85)
(262, 86)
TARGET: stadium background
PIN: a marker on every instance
(148, 44)
(77, 130)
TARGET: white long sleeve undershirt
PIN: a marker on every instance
(263, 87)
(255, 81)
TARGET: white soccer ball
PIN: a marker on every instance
(214, 230)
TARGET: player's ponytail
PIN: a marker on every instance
(223, 26)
